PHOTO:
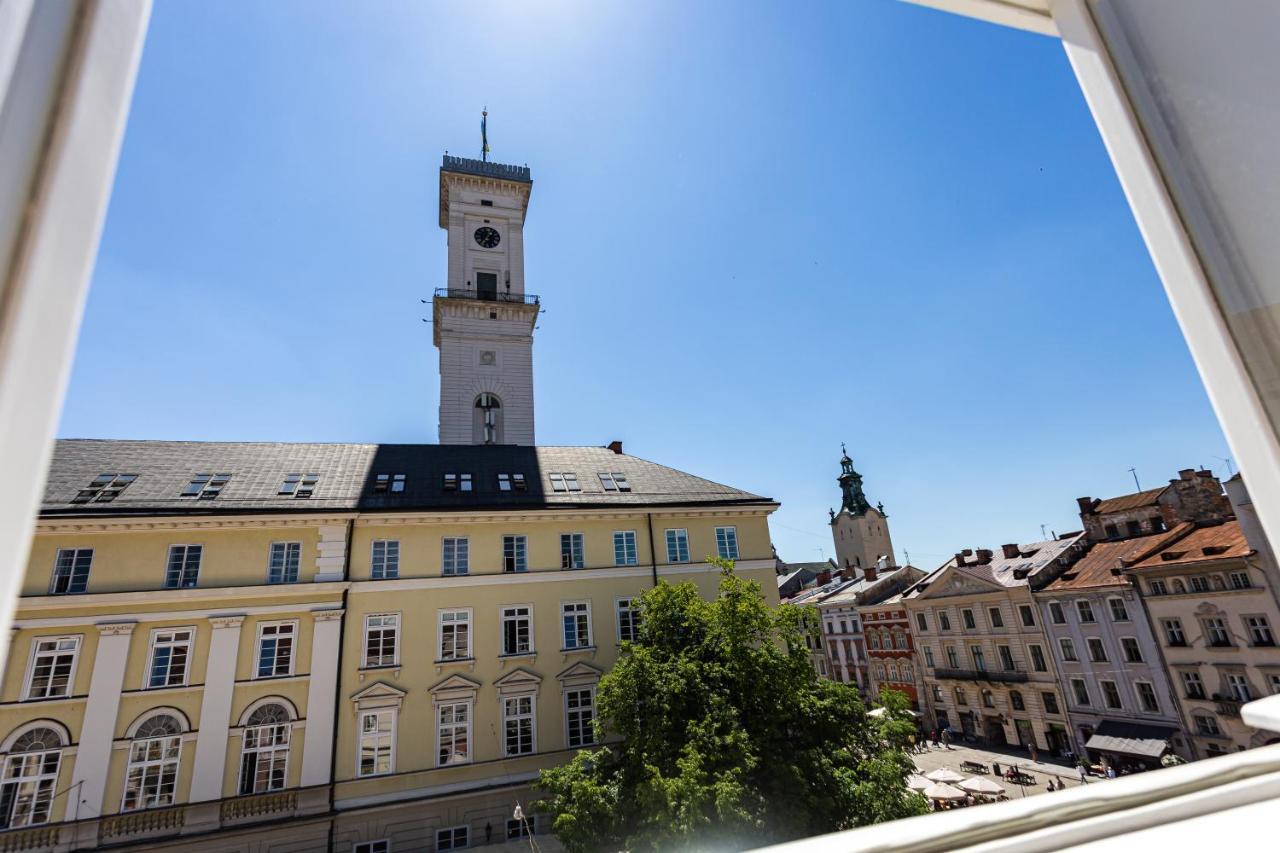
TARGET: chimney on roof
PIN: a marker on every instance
(824, 577)
(615, 446)
(1085, 504)
(960, 555)
(984, 556)
(869, 573)
(1011, 551)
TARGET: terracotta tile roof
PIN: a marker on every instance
(1127, 502)
(1095, 568)
(1205, 544)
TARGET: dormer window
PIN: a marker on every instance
(614, 481)
(565, 482)
(104, 489)
(384, 483)
(457, 482)
(511, 482)
(205, 487)
(299, 485)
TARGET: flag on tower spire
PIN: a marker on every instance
(484, 134)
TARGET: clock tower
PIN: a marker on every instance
(483, 319)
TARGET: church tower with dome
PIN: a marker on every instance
(859, 531)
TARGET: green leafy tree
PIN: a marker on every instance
(728, 738)
(897, 725)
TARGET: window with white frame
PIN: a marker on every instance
(1207, 726)
(275, 648)
(53, 667)
(997, 620)
(515, 553)
(455, 634)
(1006, 658)
(576, 620)
(1239, 687)
(624, 548)
(727, 543)
(1259, 631)
(565, 481)
(944, 621)
(521, 827)
(1119, 613)
(151, 776)
(1157, 587)
(377, 742)
(1132, 650)
(1192, 686)
(571, 551)
(628, 620)
(264, 753)
(456, 555)
(928, 657)
(1240, 580)
(282, 567)
(517, 630)
(1081, 691)
(1084, 609)
(205, 487)
(953, 659)
(1097, 650)
(299, 485)
(381, 845)
(1028, 615)
(580, 712)
(614, 481)
(457, 482)
(183, 569)
(71, 571)
(453, 838)
(30, 779)
(1110, 694)
(921, 622)
(381, 639)
(104, 488)
(517, 725)
(453, 733)
(1055, 613)
(677, 545)
(385, 563)
(1173, 635)
(388, 484)
(1147, 697)
(1068, 648)
(1215, 631)
(511, 483)
(170, 652)
(966, 616)
(1037, 658)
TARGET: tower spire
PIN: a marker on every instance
(484, 134)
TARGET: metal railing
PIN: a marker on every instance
(487, 168)
(487, 296)
(980, 675)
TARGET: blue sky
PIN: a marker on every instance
(759, 229)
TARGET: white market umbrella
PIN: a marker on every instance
(979, 785)
(916, 782)
(942, 774)
(942, 791)
(878, 712)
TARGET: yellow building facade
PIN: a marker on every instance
(331, 659)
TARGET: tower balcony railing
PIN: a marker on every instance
(488, 295)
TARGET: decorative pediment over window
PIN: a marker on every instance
(954, 583)
(518, 681)
(1208, 608)
(378, 695)
(455, 688)
(579, 674)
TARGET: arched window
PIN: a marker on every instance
(873, 639)
(152, 774)
(30, 776)
(1179, 586)
(264, 756)
(907, 674)
(487, 424)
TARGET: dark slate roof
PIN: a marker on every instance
(347, 473)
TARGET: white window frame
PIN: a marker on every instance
(292, 634)
(1258, 623)
(1190, 677)
(1169, 626)
(576, 552)
(390, 559)
(1097, 650)
(162, 765)
(376, 845)
(1084, 611)
(679, 538)
(519, 556)
(580, 608)
(509, 614)
(1077, 683)
(468, 726)
(727, 542)
(587, 730)
(1124, 608)
(1057, 615)
(626, 551)
(1106, 702)
(1068, 648)
(508, 717)
(1155, 697)
(34, 782)
(376, 736)
(1031, 658)
(995, 617)
(442, 621)
(285, 547)
(394, 626)
(461, 562)
(275, 750)
(1137, 646)
(74, 651)
(186, 559)
(1238, 687)
(74, 559)
(155, 643)
(453, 830)
(626, 604)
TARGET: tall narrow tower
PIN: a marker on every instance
(860, 531)
(483, 319)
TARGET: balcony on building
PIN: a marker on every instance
(981, 675)
(485, 293)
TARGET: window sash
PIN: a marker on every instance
(628, 620)
(517, 631)
(183, 568)
(515, 553)
(571, 551)
(677, 545)
(455, 555)
(727, 543)
(26, 794)
(170, 654)
(577, 625)
(517, 725)
(264, 758)
(382, 639)
(71, 571)
(284, 562)
(579, 714)
(376, 742)
(275, 649)
(385, 560)
(455, 635)
(151, 776)
(624, 548)
(53, 665)
(453, 733)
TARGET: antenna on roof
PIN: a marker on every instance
(1227, 460)
(1134, 472)
(1042, 531)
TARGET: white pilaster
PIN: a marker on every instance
(331, 553)
(93, 758)
(322, 691)
(215, 709)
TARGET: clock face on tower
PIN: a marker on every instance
(487, 237)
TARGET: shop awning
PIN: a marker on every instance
(1131, 738)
